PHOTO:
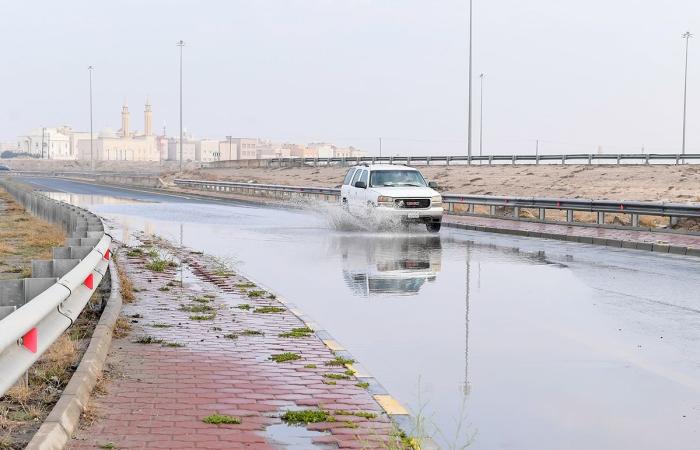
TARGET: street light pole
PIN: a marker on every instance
(687, 35)
(92, 162)
(380, 147)
(469, 118)
(181, 44)
(481, 113)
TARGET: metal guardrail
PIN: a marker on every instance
(44, 306)
(586, 158)
(466, 204)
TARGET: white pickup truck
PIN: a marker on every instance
(394, 191)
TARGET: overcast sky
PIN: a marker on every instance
(575, 74)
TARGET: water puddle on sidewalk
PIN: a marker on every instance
(291, 437)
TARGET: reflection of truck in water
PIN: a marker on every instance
(398, 265)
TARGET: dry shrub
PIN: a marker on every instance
(54, 365)
(19, 394)
(121, 328)
(6, 248)
(127, 287)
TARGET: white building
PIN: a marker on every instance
(207, 150)
(189, 149)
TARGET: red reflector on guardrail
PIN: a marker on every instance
(622, 207)
(30, 340)
(89, 282)
(107, 254)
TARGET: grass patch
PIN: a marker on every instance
(304, 417)
(148, 340)
(210, 316)
(200, 299)
(297, 333)
(269, 310)
(363, 414)
(245, 285)
(285, 357)
(244, 306)
(160, 325)
(197, 308)
(339, 361)
(256, 294)
(221, 419)
(159, 265)
(362, 384)
(272, 296)
(231, 336)
(134, 253)
(252, 333)
(108, 445)
(336, 376)
(310, 366)
(164, 289)
(173, 344)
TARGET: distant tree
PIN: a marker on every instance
(8, 154)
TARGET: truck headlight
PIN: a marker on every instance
(436, 201)
(383, 200)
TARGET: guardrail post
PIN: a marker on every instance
(542, 214)
(427, 161)
(601, 218)
(590, 159)
(490, 159)
(492, 210)
(635, 220)
(516, 212)
(673, 221)
(513, 160)
(537, 159)
(447, 161)
(677, 158)
(408, 160)
(569, 215)
(563, 159)
(618, 160)
(646, 161)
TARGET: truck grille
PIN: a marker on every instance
(412, 203)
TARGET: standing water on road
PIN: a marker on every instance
(507, 342)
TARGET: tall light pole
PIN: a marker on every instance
(469, 115)
(687, 35)
(380, 147)
(481, 114)
(181, 44)
(92, 161)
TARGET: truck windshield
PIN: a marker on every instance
(396, 178)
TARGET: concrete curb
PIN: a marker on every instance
(58, 428)
(617, 243)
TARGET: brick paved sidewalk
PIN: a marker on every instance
(210, 353)
(682, 244)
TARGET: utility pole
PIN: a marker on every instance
(380, 147)
(469, 115)
(92, 161)
(687, 35)
(481, 113)
(43, 131)
(181, 44)
(537, 147)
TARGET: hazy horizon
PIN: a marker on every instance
(575, 76)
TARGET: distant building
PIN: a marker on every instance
(207, 150)
(48, 143)
(189, 149)
(123, 145)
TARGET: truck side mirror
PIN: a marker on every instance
(432, 184)
(361, 184)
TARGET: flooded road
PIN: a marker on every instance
(511, 343)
